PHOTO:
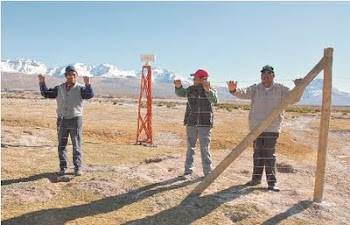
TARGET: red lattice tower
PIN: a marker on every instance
(144, 134)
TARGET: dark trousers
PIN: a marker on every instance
(72, 128)
(265, 157)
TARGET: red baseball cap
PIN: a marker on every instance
(200, 73)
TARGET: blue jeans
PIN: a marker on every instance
(204, 134)
(73, 128)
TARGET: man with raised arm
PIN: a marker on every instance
(264, 96)
(198, 118)
(69, 97)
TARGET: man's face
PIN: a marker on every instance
(267, 78)
(71, 76)
(199, 80)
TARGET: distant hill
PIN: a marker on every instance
(110, 80)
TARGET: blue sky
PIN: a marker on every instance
(232, 40)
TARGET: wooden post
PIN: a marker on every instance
(324, 126)
(292, 96)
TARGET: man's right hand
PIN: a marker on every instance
(41, 78)
(177, 83)
(232, 85)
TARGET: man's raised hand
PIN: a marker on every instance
(41, 78)
(232, 85)
(87, 80)
(297, 81)
(177, 83)
(206, 86)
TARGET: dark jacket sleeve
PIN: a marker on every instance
(87, 92)
(48, 92)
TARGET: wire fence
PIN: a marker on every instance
(223, 84)
(134, 103)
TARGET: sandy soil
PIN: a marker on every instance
(130, 184)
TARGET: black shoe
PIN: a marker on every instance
(62, 172)
(274, 188)
(186, 175)
(253, 183)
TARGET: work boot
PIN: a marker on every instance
(62, 172)
(253, 183)
(273, 188)
(186, 175)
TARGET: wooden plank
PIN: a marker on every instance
(324, 126)
(293, 95)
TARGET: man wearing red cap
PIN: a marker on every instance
(198, 118)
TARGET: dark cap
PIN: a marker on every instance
(268, 68)
(71, 68)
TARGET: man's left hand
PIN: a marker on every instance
(87, 80)
(297, 81)
(206, 86)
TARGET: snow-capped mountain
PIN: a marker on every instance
(27, 66)
(103, 70)
(313, 94)
(83, 70)
(160, 75)
(108, 70)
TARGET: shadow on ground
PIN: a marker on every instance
(53, 177)
(189, 210)
(59, 216)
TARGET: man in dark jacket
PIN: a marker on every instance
(69, 97)
(198, 118)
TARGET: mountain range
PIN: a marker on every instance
(28, 66)
(127, 81)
